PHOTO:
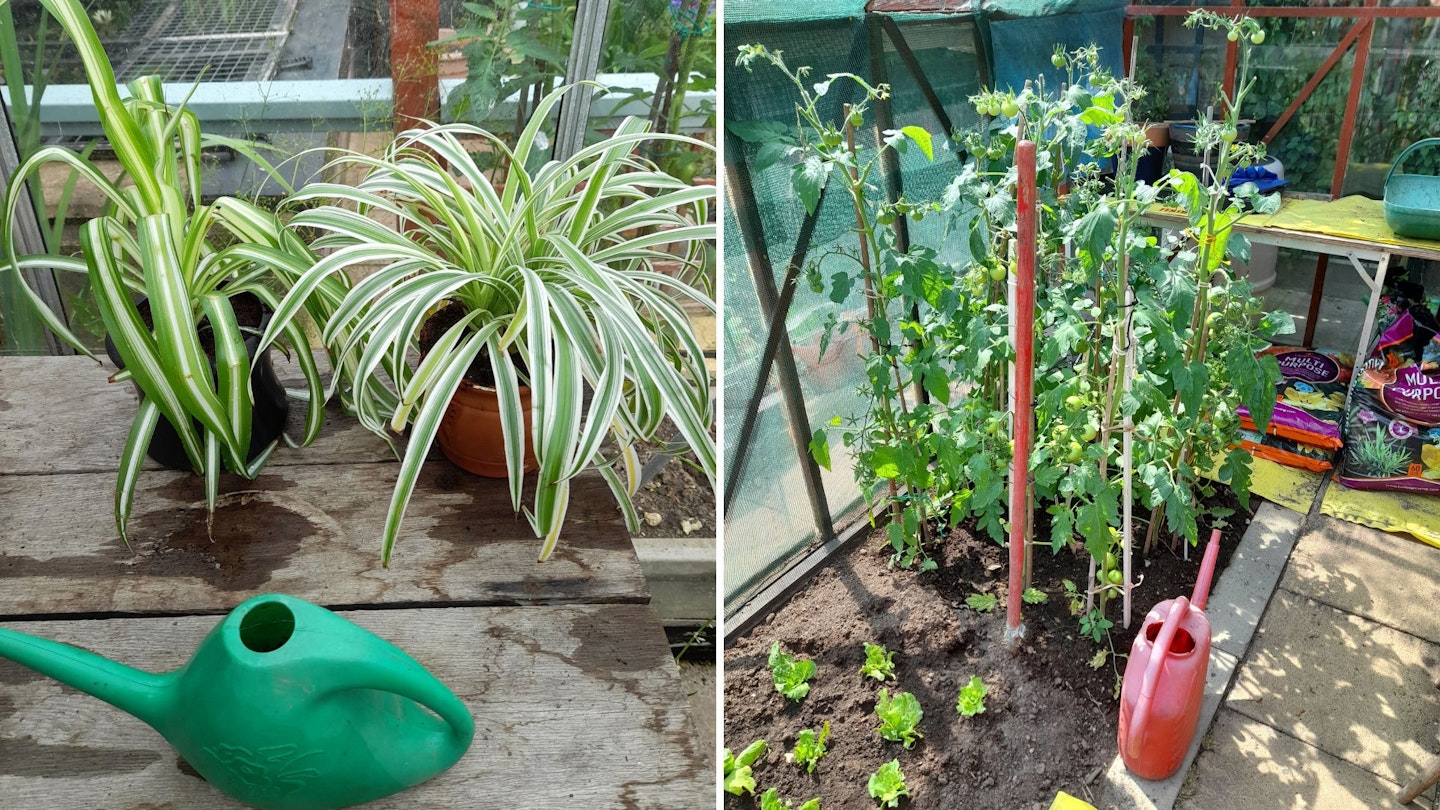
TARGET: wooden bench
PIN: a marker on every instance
(564, 665)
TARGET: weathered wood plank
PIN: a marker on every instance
(311, 531)
(575, 707)
(59, 414)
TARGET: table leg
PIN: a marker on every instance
(1317, 291)
(1375, 285)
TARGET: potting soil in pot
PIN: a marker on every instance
(1392, 428)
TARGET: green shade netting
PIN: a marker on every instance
(769, 521)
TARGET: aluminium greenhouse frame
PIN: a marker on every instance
(775, 301)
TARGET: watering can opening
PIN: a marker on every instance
(267, 627)
(1182, 644)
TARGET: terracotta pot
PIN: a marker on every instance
(471, 436)
(1158, 135)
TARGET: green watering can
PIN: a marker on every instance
(1412, 201)
(284, 706)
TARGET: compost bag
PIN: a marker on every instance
(1287, 452)
(1392, 428)
(1309, 399)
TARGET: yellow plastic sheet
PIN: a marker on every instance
(1064, 801)
(1396, 512)
(1352, 217)
(1287, 486)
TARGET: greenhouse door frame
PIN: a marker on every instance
(775, 303)
(1359, 35)
(29, 238)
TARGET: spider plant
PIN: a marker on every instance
(157, 240)
(552, 268)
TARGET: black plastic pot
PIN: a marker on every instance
(267, 416)
(1151, 165)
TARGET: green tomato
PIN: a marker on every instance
(1074, 403)
(1212, 321)
(1082, 347)
(1010, 109)
(1257, 37)
(1058, 60)
(1061, 431)
(1075, 452)
(1089, 433)
(1228, 134)
(832, 139)
(997, 272)
(1215, 295)
(857, 120)
(980, 107)
(1115, 578)
(885, 217)
(1234, 35)
(1110, 562)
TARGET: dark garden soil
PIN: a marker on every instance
(1050, 719)
(678, 500)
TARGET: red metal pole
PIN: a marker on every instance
(1232, 57)
(1022, 392)
(414, 65)
(1352, 105)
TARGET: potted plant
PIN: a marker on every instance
(183, 317)
(1150, 110)
(544, 283)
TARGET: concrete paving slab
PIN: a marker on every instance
(1239, 597)
(680, 572)
(1383, 577)
(1245, 764)
(1357, 690)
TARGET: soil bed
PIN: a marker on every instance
(1050, 719)
(678, 496)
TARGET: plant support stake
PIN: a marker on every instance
(1022, 393)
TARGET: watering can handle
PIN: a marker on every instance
(1178, 611)
(1423, 143)
(404, 677)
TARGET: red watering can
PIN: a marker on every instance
(1165, 679)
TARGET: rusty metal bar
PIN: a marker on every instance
(1352, 104)
(414, 66)
(1315, 79)
(1232, 56)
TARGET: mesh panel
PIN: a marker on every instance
(770, 521)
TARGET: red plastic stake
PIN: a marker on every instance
(1022, 392)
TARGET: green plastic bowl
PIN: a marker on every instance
(1412, 201)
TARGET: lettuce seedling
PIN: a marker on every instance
(738, 777)
(898, 717)
(972, 697)
(790, 675)
(810, 747)
(888, 784)
(879, 664)
(771, 801)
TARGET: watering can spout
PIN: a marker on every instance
(142, 694)
(1207, 571)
